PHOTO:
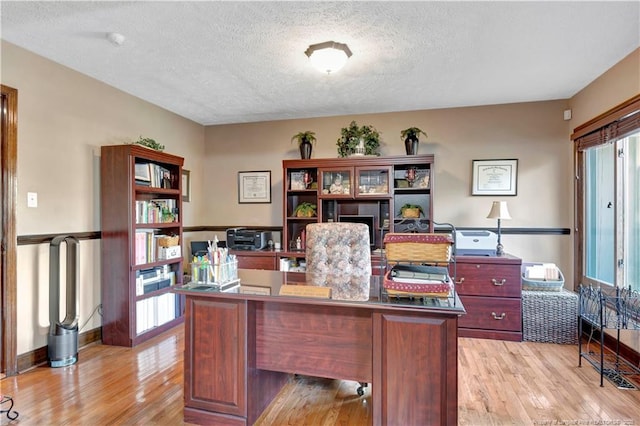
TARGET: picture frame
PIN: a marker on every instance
(296, 181)
(495, 177)
(186, 186)
(142, 172)
(254, 187)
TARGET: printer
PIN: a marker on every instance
(247, 239)
(476, 243)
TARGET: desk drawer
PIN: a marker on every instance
(491, 313)
(485, 279)
(257, 262)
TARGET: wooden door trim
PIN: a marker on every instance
(8, 239)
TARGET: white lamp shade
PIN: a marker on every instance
(499, 210)
(328, 56)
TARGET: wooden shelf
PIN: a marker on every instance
(369, 185)
(128, 318)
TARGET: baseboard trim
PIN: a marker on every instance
(39, 356)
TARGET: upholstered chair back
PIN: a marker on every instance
(338, 247)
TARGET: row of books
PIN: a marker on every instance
(152, 279)
(155, 311)
(147, 247)
(154, 175)
(157, 211)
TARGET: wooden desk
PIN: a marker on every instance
(241, 348)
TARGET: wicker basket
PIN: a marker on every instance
(541, 285)
(167, 241)
(418, 247)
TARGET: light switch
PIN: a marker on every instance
(32, 199)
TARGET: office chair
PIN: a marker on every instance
(199, 248)
(339, 248)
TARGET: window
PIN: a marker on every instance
(613, 169)
(608, 202)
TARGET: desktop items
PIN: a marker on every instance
(217, 268)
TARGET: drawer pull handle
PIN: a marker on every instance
(460, 281)
(498, 283)
(498, 317)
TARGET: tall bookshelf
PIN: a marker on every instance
(141, 207)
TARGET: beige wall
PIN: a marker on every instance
(63, 119)
(534, 133)
(612, 88)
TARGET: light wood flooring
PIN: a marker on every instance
(500, 383)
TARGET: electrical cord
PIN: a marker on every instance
(4, 399)
(96, 309)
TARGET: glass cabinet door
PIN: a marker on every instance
(336, 183)
(372, 181)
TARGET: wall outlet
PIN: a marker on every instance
(32, 199)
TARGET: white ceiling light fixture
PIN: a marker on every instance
(328, 56)
(116, 38)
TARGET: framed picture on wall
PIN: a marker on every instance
(495, 177)
(186, 185)
(254, 187)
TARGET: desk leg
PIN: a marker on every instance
(222, 385)
(415, 370)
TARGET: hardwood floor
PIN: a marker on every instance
(500, 383)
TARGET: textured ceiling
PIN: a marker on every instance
(233, 62)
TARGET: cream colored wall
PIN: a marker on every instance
(620, 83)
(63, 119)
(534, 133)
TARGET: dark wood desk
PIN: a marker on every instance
(241, 348)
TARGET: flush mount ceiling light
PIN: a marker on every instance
(328, 56)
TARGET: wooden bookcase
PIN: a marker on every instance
(141, 200)
(358, 188)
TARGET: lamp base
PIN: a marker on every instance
(499, 250)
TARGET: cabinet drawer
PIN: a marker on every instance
(485, 279)
(491, 313)
(257, 262)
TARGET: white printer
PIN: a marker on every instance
(476, 243)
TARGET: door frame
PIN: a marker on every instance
(8, 237)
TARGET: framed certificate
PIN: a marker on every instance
(494, 177)
(254, 187)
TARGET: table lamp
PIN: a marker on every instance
(499, 211)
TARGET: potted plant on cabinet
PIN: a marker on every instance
(305, 210)
(411, 211)
(305, 143)
(356, 140)
(411, 139)
(149, 143)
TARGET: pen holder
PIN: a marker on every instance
(208, 273)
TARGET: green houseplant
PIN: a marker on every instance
(149, 143)
(411, 210)
(352, 136)
(411, 138)
(305, 209)
(305, 143)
